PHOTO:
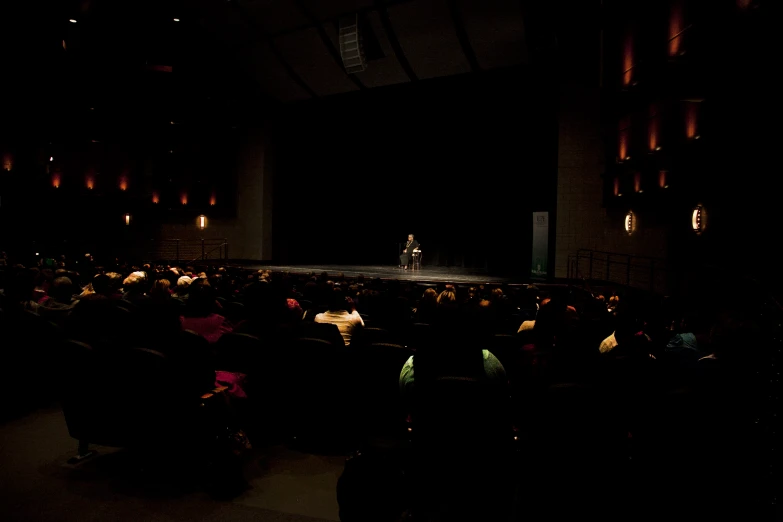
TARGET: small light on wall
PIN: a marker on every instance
(176, 19)
(8, 162)
(212, 200)
(184, 198)
(698, 220)
(616, 188)
(637, 182)
(127, 219)
(56, 180)
(662, 174)
(51, 158)
(123, 183)
(155, 198)
(89, 182)
(201, 222)
(630, 222)
(72, 20)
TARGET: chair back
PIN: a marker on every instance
(239, 352)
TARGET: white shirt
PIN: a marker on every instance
(346, 322)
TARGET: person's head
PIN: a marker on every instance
(183, 283)
(429, 298)
(410, 237)
(160, 288)
(338, 302)
(134, 283)
(200, 301)
(62, 290)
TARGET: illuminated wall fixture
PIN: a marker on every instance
(622, 139)
(652, 129)
(123, 182)
(663, 182)
(155, 198)
(184, 198)
(51, 158)
(616, 187)
(127, 219)
(630, 222)
(676, 29)
(698, 220)
(744, 4)
(692, 120)
(637, 182)
(8, 162)
(201, 222)
(56, 180)
(628, 60)
(212, 199)
(89, 181)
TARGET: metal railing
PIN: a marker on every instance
(643, 272)
(189, 250)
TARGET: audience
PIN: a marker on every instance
(646, 352)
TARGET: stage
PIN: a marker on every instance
(435, 274)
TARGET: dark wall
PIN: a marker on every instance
(459, 162)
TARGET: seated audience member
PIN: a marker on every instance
(61, 301)
(425, 310)
(451, 353)
(199, 314)
(183, 285)
(340, 312)
(135, 287)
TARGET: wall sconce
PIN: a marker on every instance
(201, 222)
(662, 181)
(637, 182)
(628, 60)
(212, 200)
(184, 198)
(127, 219)
(56, 180)
(616, 187)
(89, 182)
(8, 162)
(155, 198)
(698, 220)
(123, 183)
(630, 222)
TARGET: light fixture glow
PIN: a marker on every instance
(72, 20)
(127, 219)
(184, 198)
(698, 220)
(89, 182)
(155, 198)
(630, 222)
(56, 180)
(51, 158)
(201, 222)
(123, 183)
(176, 19)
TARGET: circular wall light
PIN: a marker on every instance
(630, 222)
(698, 220)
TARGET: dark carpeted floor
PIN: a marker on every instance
(39, 484)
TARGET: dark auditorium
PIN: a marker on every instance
(390, 261)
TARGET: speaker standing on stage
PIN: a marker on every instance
(410, 247)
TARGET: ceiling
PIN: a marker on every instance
(291, 49)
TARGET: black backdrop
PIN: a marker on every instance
(460, 162)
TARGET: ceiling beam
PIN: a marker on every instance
(380, 6)
(336, 56)
(262, 35)
(462, 36)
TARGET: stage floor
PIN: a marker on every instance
(425, 274)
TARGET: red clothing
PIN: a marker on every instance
(210, 327)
